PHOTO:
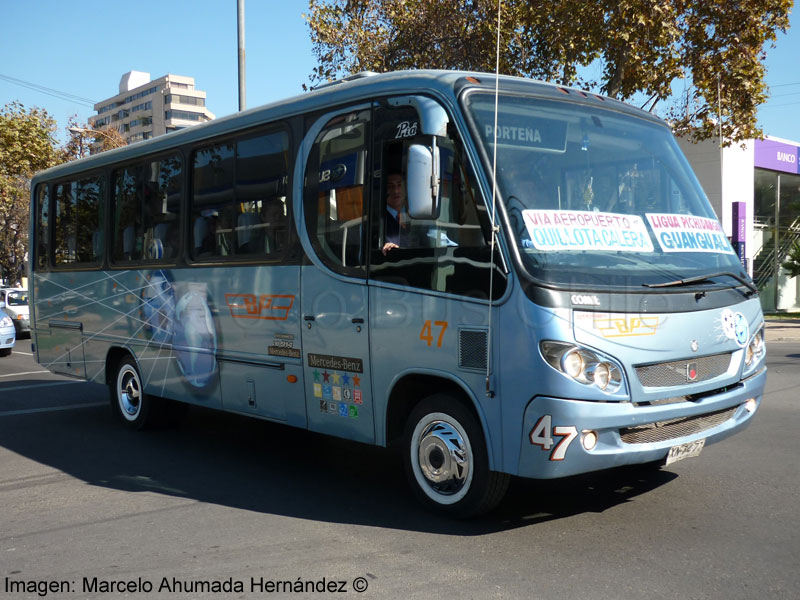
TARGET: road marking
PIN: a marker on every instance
(37, 385)
(25, 353)
(31, 411)
(25, 373)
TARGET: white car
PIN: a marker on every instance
(8, 335)
(16, 300)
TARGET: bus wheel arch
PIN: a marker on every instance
(113, 357)
(410, 391)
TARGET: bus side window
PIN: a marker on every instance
(239, 197)
(335, 192)
(262, 176)
(127, 228)
(78, 221)
(162, 205)
(42, 227)
(212, 200)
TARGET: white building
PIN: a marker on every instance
(145, 108)
(763, 178)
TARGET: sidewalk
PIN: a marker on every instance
(782, 330)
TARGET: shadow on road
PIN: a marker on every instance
(265, 467)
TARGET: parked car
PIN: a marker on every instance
(16, 300)
(8, 335)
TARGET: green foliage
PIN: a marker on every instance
(793, 264)
(642, 47)
(26, 146)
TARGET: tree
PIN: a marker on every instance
(635, 47)
(27, 145)
(793, 264)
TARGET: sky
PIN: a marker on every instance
(83, 47)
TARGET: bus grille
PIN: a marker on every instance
(674, 428)
(669, 374)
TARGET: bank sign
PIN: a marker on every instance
(776, 156)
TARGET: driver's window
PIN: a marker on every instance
(449, 253)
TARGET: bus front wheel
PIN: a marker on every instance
(128, 399)
(446, 460)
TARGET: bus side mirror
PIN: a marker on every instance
(422, 181)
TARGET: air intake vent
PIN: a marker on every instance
(472, 348)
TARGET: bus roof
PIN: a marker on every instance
(363, 86)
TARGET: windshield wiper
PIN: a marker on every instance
(748, 284)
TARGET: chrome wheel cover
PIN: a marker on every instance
(441, 458)
(129, 392)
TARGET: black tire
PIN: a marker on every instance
(5, 352)
(446, 462)
(129, 402)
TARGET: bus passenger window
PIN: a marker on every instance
(239, 198)
(42, 227)
(79, 221)
(146, 212)
(162, 205)
(335, 192)
(212, 198)
(261, 190)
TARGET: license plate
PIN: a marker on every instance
(687, 450)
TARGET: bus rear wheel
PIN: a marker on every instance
(129, 402)
(446, 461)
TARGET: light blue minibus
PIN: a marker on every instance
(501, 276)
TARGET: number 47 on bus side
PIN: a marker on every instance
(541, 436)
(426, 334)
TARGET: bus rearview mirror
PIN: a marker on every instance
(422, 181)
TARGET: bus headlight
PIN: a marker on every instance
(583, 365)
(572, 363)
(755, 349)
(602, 375)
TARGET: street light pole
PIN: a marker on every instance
(81, 131)
(240, 29)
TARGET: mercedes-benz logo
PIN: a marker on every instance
(694, 346)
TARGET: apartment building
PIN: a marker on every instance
(143, 108)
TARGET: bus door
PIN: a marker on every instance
(333, 298)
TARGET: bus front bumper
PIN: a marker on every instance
(563, 437)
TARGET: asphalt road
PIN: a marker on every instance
(86, 506)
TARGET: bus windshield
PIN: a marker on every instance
(597, 197)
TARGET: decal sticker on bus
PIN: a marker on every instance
(273, 307)
(339, 363)
(614, 325)
(687, 233)
(586, 230)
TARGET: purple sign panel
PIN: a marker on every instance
(739, 221)
(776, 156)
